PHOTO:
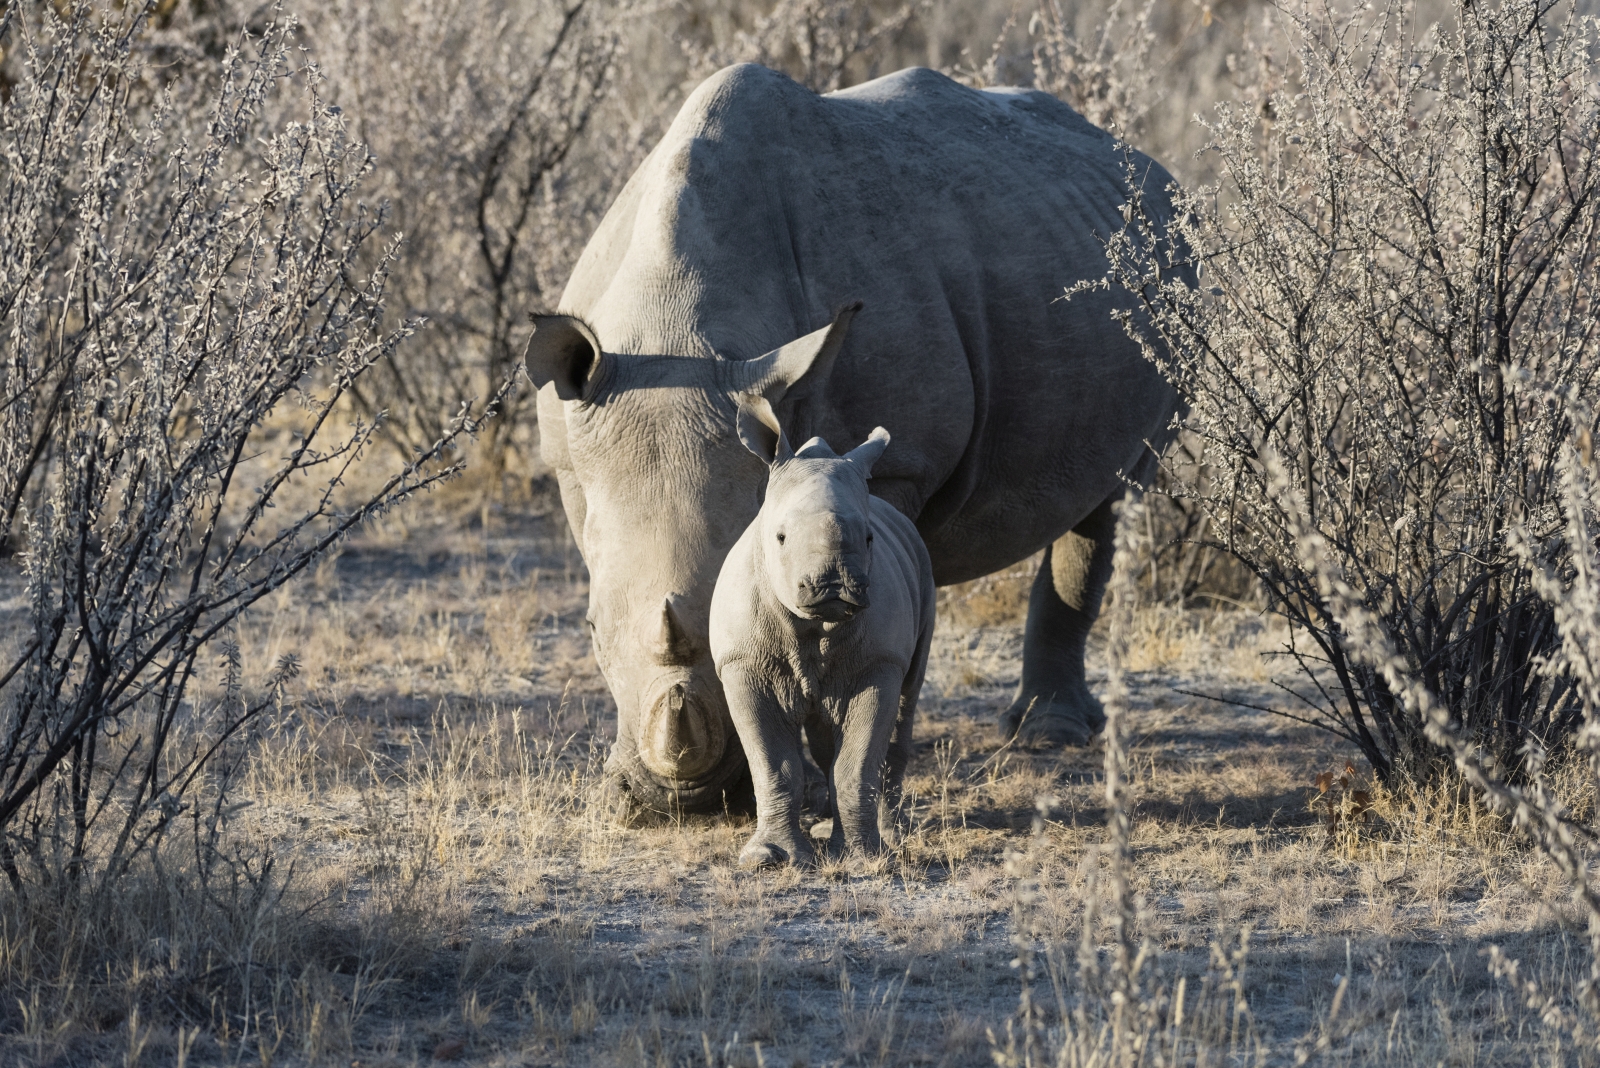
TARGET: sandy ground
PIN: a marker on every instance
(433, 780)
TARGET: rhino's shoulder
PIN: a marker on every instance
(749, 101)
(906, 540)
(935, 101)
(1041, 107)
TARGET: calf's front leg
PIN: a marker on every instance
(770, 734)
(858, 762)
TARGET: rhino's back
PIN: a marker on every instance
(901, 559)
(958, 216)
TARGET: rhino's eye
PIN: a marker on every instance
(780, 539)
(869, 539)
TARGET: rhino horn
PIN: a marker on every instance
(673, 646)
(680, 741)
(801, 362)
(562, 350)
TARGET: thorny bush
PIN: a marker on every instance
(1399, 286)
(481, 114)
(1565, 568)
(184, 316)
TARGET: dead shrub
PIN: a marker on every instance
(185, 312)
(1398, 286)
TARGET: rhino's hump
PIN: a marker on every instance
(761, 190)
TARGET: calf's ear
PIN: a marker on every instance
(866, 454)
(562, 350)
(759, 429)
(797, 366)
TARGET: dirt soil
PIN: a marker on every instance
(434, 782)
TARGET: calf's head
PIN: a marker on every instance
(814, 530)
(657, 488)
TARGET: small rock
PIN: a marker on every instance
(451, 1049)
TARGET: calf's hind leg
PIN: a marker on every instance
(1053, 704)
(899, 749)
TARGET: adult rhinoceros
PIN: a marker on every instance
(955, 217)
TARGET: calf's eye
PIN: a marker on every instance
(780, 539)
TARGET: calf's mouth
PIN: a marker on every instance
(832, 602)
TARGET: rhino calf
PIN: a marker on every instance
(798, 640)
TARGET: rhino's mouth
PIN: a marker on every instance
(832, 602)
(649, 798)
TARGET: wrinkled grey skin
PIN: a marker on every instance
(957, 216)
(821, 618)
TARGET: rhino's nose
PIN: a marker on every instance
(836, 586)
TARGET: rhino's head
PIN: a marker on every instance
(658, 487)
(815, 526)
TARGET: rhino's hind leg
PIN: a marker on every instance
(1053, 705)
(899, 755)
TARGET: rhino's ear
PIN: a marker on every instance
(759, 429)
(562, 350)
(866, 454)
(798, 364)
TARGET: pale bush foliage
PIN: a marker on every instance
(476, 112)
(503, 131)
(185, 312)
(1107, 75)
(1571, 589)
(1399, 265)
(822, 44)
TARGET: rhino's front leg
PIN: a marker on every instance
(858, 766)
(771, 738)
(1053, 704)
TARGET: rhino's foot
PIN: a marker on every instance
(765, 852)
(1054, 719)
(842, 846)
